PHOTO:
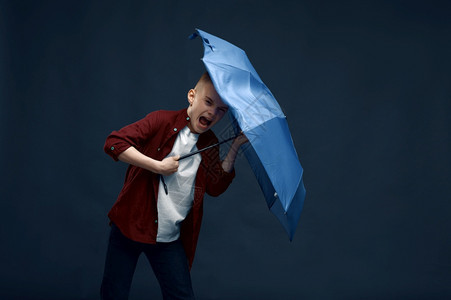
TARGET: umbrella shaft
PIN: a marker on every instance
(206, 148)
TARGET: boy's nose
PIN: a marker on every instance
(212, 111)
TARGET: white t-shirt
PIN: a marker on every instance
(175, 206)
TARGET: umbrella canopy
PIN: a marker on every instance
(272, 155)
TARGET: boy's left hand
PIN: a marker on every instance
(228, 162)
(240, 140)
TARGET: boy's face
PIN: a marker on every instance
(205, 108)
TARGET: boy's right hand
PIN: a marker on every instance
(169, 165)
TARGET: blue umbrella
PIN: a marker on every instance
(254, 109)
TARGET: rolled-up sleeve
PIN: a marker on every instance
(218, 180)
(219, 186)
(133, 135)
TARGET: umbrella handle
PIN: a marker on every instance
(164, 184)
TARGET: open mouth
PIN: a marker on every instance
(204, 121)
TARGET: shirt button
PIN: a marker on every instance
(158, 149)
(112, 148)
(175, 129)
(156, 221)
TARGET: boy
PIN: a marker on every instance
(159, 209)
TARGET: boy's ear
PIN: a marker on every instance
(191, 94)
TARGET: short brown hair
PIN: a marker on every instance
(205, 78)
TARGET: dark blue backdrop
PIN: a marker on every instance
(366, 89)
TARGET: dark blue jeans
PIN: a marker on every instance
(168, 261)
